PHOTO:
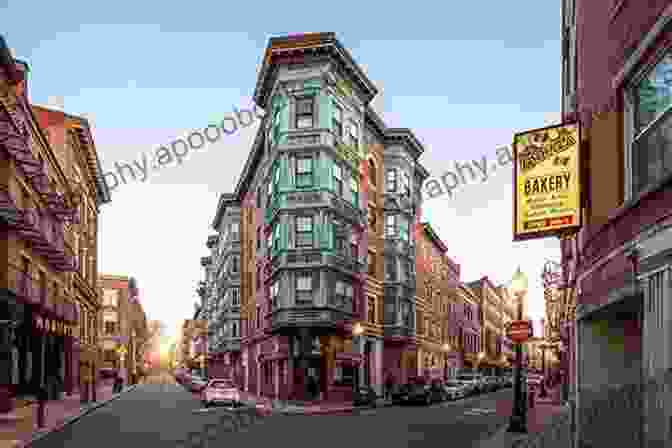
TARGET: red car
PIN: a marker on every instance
(220, 391)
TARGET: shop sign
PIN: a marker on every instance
(547, 182)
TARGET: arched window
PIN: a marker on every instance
(372, 172)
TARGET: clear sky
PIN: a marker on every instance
(463, 76)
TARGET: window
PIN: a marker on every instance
(269, 241)
(235, 297)
(352, 136)
(371, 262)
(304, 171)
(304, 113)
(338, 180)
(276, 237)
(234, 330)
(372, 172)
(392, 180)
(337, 121)
(403, 230)
(354, 191)
(371, 310)
(391, 269)
(406, 315)
(110, 297)
(344, 295)
(268, 377)
(304, 289)
(258, 198)
(258, 278)
(235, 264)
(304, 231)
(275, 293)
(405, 184)
(110, 328)
(258, 317)
(390, 226)
(372, 219)
(235, 228)
(344, 375)
(652, 137)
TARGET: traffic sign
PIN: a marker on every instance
(519, 331)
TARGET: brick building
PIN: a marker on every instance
(617, 66)
(50, 191)
(123, 330)
(491, 304)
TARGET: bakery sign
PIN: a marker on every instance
(547, 182)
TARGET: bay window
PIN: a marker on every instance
(338, 180)
(304, 289)
(391, 180)
(304, 171)
(305, 113)
(304, 231)
(651, 144)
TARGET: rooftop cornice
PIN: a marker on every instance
(409, 139)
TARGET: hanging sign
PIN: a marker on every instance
(519, 331)
(547, 182)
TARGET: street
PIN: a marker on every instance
(160, 413)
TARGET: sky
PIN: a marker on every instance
(462, 76)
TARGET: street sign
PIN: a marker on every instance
(519, 331)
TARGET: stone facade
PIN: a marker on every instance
(50, 190)
(491, 303)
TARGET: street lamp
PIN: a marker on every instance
(446, 349)
(518, 421)
(543, 393)
(357, 331)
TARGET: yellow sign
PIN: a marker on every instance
(122, 350)
(547, 180)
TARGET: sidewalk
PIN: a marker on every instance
(546, 414)
(19, 428)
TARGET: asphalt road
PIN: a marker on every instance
(161, 414)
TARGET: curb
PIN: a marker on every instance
(70, 420)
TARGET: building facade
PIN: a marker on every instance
(439, 352)
(123, 330)
(492, 361)
(508, 313)
(224, 286)
(616, 82)
(193, 341)
(328, 200)
(50, 191)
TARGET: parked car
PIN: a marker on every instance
(220, 391)
(196, 384)
(423, 393)
(400, 393)
(455, 390)
(474, 380)
(493, 383)
(365, 396)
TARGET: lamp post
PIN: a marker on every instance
(357, 331)
(446, 349)
(518, 419)
(543, 393)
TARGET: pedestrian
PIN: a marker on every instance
(389, 384)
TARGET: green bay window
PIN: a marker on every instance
(304, 171)
(304, 231)
(305, 113)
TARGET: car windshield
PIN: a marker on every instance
(221, 385)
(453, 384)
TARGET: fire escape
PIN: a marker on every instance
(42, 229)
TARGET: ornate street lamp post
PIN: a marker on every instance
(518, 419)
(357, 331)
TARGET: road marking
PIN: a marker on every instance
(479, 412)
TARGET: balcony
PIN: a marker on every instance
(301, 317)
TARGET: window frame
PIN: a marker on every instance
(339, 188)
(394, 226)
(275, 293)
(354, 190)
(299, 174)
(299, 234)
(299, 115)
(391, 180)
(300, 291)
(337, 121)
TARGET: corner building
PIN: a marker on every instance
(328, 197)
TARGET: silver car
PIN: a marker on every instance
(454, 390)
